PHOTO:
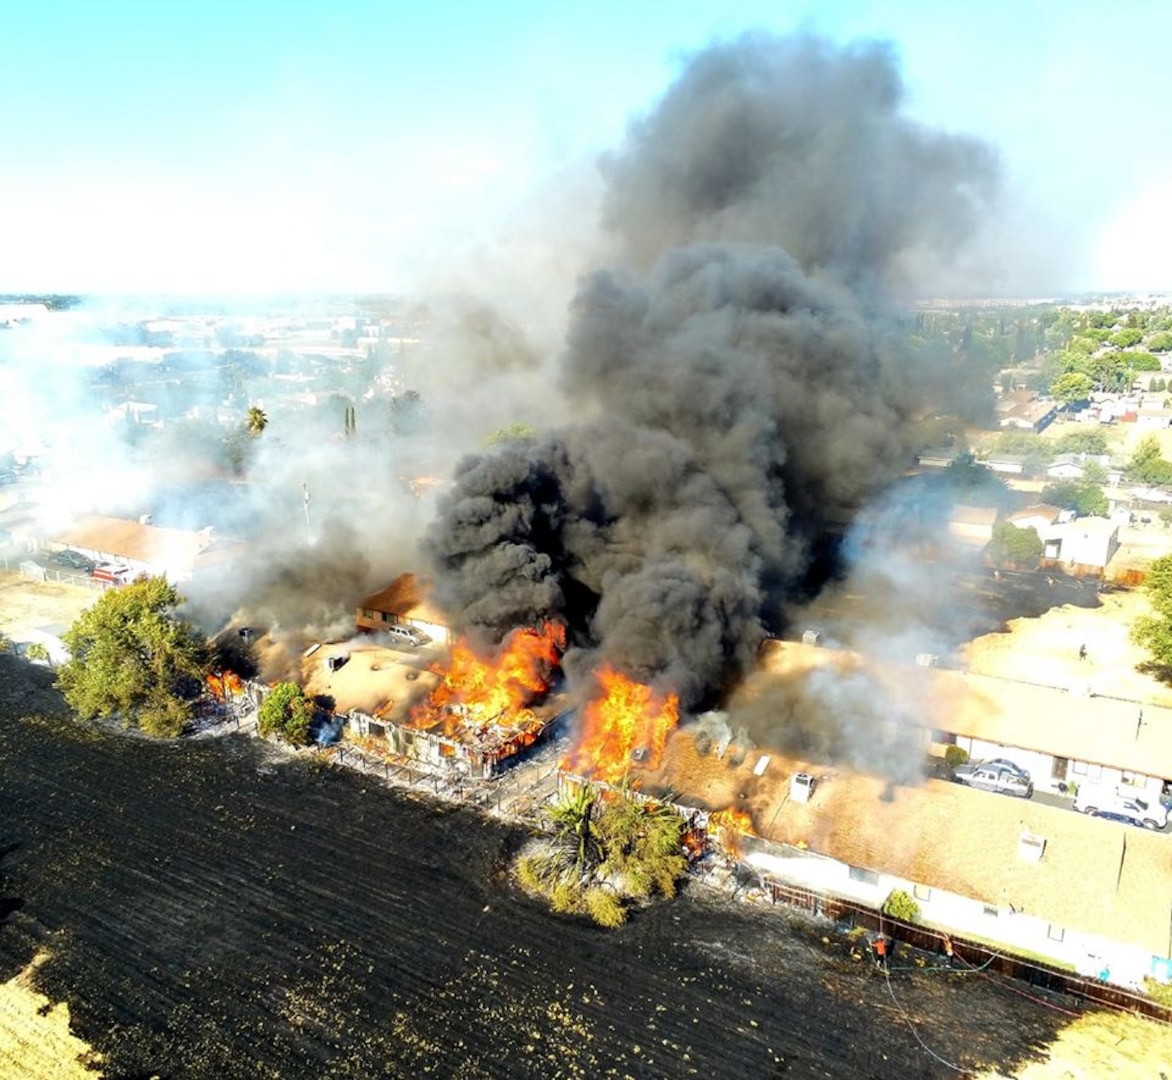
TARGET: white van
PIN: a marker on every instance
(1140, 808)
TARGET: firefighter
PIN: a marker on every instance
(880, 947)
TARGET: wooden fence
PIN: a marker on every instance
(969, 954)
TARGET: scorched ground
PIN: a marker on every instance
(211, 911)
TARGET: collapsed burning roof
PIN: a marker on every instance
(482, 707)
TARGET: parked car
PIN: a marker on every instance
(1136, 808)
(1005, 763)
(407, 635)
(1112, 815)
(1004, 778)
(74, 560)
(111, 574)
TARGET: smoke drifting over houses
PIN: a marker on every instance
(729, 396)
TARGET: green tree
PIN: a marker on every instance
(1021, 547)
(134, 658)
(1154, 632)
(517, 432)
(1138, 361)
(1085, 441)
(1071, 387)
(408, 413)
(1034, 450)
(1126, 338)
(1147, 465)
(1083, 496)
(286, 712)
(1160, 342)
(899, 905)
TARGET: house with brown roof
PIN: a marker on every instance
(177, 554)
(1030, 876)
(1062, 735)
(1023, 410)
(403, 603)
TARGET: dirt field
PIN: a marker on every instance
(26, 604)
(35, 1040)
(1045, 649)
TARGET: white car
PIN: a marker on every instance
(1146, 812)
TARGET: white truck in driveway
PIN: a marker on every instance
(999, 775)
(1141, 809)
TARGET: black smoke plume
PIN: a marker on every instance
(730, 397)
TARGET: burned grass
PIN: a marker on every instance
(209, 910)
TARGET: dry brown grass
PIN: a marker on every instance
(35, 1040)
(1045, 649)
(1099, 1045)
(26, 604)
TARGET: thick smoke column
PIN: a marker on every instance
(797, 142)
(732, 401)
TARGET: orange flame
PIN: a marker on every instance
(728, 826)
(477, 690)
(224, 684)
(629, 718)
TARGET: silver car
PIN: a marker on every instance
(1002, 777)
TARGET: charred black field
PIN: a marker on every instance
(211, 910)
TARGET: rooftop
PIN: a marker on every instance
(178, 550)
(1069, 722)
(1093, 875)
(406, 597)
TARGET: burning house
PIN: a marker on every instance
(482, 708)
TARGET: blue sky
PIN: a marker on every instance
(257, 146)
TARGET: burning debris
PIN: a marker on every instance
(476, 690)
(224, 686)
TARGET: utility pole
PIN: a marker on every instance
(305, 498)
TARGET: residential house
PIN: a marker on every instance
(972, 525)
(1041, 518)
(938, 458)
(1153, 419)
(177, 554)
(1025, 411)
(1008, 464)
(1042, 878)
(1083, 546)
(403, 602)
(1065, 467)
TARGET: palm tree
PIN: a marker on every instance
(257, 421)
(572, 816)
